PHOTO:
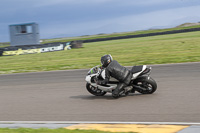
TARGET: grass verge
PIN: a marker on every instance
(45, 130)
(4, 45)
(174, 48)
(88, 37)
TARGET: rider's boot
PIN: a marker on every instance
(119, 88)
(128, 88)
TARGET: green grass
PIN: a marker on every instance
(174, 48)
(114, 34)
(45, 130)
(4, 45)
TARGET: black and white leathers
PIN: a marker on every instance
(121, 73)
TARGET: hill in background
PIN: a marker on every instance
(188, 24)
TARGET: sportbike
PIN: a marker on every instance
(140, 82)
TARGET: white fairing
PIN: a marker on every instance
(88, 78)
(138, 73)
(107, 89)
(103, 74)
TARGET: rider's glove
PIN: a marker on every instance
(97, 81)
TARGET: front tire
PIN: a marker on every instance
(94, 90)
(148, 84)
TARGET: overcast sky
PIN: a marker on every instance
(66, 18)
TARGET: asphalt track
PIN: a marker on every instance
(61, 96)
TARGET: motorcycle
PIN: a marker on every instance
(140, 81)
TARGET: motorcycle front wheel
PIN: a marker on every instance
(147, 85)
(94, 90)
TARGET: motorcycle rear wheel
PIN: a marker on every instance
(149, 85)
(94, 90)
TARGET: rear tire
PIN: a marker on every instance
(149, 85)
(94, 90)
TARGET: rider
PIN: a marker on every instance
(115, 70)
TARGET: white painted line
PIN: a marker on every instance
(96, 122)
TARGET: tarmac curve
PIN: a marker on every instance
(61, 96)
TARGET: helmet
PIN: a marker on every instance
(106, 59)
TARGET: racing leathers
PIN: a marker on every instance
(121, 73)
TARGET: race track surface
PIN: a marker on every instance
(62, 96)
